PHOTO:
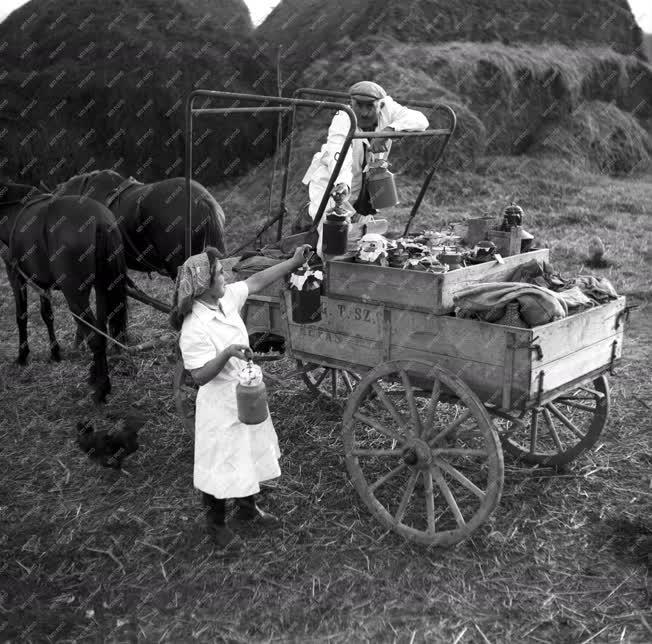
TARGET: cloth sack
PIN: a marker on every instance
(487, 301)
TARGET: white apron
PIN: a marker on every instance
(231, 458)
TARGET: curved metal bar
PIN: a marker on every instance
(433, 167)
(277, 101)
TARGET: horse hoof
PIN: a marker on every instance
(100, 391)
(21, 360)
(55, 355)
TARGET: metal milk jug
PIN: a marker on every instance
(335, 234)
(251, 395)
(381, 185)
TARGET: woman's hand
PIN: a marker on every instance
(302, 254)
(241, 351)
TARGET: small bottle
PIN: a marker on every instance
(251, 395)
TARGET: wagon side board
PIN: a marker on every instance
(416, 290)
(503, 365)
(576, 346)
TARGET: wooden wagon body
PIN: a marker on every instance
(372, 314)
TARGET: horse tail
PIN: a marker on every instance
(111, 277)
(213, 222)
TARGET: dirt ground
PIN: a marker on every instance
(88, 553)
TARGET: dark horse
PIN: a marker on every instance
(151, 217)
(68, 244)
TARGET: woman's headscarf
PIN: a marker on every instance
(193, 280)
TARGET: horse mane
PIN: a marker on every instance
(92, 173)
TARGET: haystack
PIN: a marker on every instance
(95, 86)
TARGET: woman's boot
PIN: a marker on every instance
(248, 510)
(216, 520)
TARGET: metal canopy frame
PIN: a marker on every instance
(288, 106)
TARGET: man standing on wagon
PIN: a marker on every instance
(374, 111)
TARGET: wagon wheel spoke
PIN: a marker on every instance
(389, 406)
(379, 427)
(448, 495)
(412, 404)
(407, 495)
(566, 421)
(390, 475)
(322, 375)
(573, 402)
(594, 392)
(376, 452)
(551, 428)
(459, 451)
(333, 384)
(457, 475)
(347, 381)
(432, 407)
(430, 500)
(453, 426)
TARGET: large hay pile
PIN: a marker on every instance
(92, 86)
(505, 97)
(598, 136)
(309, 29)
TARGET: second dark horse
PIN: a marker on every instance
(151, 217)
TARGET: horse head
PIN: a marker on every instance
(14, 193)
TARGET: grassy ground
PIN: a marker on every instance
(93, 554)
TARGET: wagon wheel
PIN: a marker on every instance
(185, 393)
(561, 430)
(334, 384)
(426, 463)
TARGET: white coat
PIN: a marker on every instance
(392, 114)
(231, 458)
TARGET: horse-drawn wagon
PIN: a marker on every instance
(430, 399)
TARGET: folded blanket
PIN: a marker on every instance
(487, 301)
(599, 289)
(575, 299)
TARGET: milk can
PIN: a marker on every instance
(305, 295)
(251, 395)
(381, 185)
(335, 235)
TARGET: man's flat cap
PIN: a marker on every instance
(367, 90)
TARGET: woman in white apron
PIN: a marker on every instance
(231, 458)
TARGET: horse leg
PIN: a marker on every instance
(79, 337)
(19, 288)
(98, 377)
(48, 318)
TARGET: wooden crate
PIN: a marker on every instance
(513, 368)
(507, 243)
(415, 290)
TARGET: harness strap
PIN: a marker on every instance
(117, 192)
(114, 195)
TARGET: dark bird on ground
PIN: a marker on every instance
(596, 254)
(109, 448)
